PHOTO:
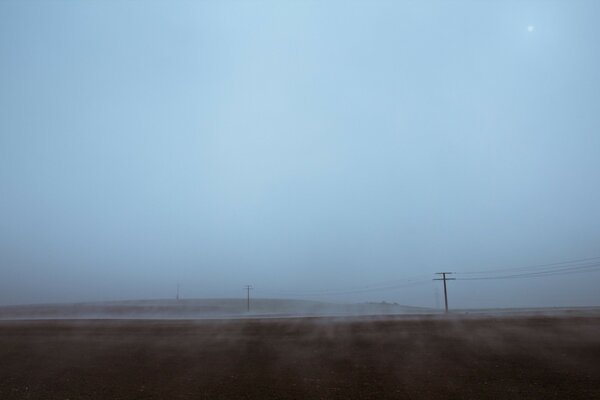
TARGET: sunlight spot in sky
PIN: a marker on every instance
(530, 28)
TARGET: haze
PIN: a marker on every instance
(319, 150)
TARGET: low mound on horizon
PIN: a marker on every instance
(201, 308)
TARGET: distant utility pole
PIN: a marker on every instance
(443, 278)
(177, 296)
(248, 287)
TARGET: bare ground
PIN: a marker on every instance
(305, 358)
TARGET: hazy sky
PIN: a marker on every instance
(298, 146)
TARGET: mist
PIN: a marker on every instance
(333, 151)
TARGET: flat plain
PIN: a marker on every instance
(410, 357)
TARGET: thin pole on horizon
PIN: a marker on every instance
(443, 278)
(248, 287)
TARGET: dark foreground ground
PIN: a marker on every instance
(401, 358)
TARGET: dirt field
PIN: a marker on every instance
(393, 358)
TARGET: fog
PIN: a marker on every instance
(332, 151)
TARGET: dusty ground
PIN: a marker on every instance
(402, 358)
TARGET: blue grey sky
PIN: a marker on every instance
(312, 149)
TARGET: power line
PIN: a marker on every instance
(351, 291)
(532, 267)
(388, 285)
(536, 271)
(392, 282)
(539, 274)
(582, 265)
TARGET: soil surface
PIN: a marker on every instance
(304, 358)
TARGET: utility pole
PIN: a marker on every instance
(248, 287)
(177, 296)
(443, 278)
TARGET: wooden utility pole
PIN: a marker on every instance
(248, 287)
(443, 278)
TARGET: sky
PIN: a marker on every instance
(330, 150)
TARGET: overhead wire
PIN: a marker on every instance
(553, 269)
(310, 293)
(532, 267)
(576, 266)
